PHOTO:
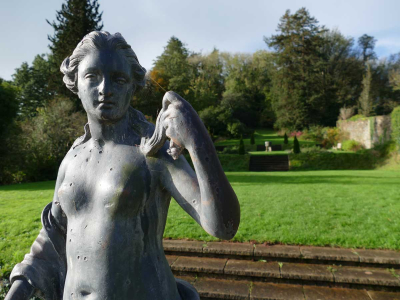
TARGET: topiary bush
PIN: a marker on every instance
(285, 139)
(296, 146)
(241, 147)
(396, 125)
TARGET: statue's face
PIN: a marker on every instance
(105, 85)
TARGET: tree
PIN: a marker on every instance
(75, 19)
(342, 76)
(367, 45)
(173, 69)
(149, 99)
(252, 140)
(395, 79)
(33, 85)
(247, 88)
(366, 100)
(207, 82)
(8, 104)
(296, 82)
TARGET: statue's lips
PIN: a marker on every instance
(106, 104)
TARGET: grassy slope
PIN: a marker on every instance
(341, 208)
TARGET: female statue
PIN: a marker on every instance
(102, 233)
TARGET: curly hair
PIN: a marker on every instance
(100, 40)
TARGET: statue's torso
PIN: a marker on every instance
(116, 212)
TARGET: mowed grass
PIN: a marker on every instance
(261, 136)
(354, 209)
(359, 209)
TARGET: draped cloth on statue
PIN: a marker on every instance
(45, 267)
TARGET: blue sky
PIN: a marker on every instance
(229, 25)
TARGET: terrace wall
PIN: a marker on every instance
(370, 131)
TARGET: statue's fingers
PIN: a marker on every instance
(172, 98)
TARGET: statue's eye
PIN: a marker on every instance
(90, 76)
(120, 80)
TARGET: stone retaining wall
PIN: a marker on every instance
(368, 132)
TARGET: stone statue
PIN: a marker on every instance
(102, 233)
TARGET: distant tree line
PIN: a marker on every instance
(309, 75)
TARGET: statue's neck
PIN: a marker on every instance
(108, 131)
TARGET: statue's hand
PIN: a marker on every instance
(180, 121)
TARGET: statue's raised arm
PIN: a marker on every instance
(206, 195)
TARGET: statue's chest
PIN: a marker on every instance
(115, 181)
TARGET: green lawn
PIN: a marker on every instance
(261, 136)
(262, 153)
(339, 208)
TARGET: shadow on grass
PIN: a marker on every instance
(262, 178)
(29, 187)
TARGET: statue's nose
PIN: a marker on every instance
(105, 88)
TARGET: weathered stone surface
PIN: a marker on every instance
(384, 295)
(306, 272)
(323, 253)
(222, 289)
(379, 256)
(189, 278)
(199, 264)
(326, 293)
(241, 249)
(271, 291)
(171, 259)
(282, 251)
(359, 275)
(183, 246)
(251, 268)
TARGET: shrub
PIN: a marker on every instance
(332, 136)
(351, 145)
(43, 141)
(396, 125)
(285, 139)
(241, 147)
(252, 140)
(358, 117)
(314, 133)
(296, 146)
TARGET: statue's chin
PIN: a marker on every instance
(111, 116)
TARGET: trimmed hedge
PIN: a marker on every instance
(332, 161)
(361, 160)
(230, 162)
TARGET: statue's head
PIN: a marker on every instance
(104, 72)
(99, 40)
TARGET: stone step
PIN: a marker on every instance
(211, 288)
(285, 253)
(293, 273)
